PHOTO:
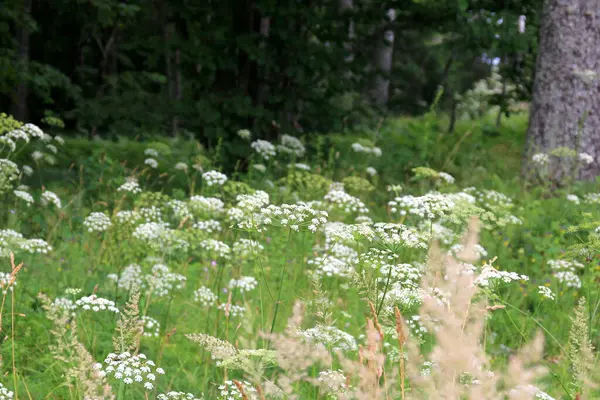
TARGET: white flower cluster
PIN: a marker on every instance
(178, 396)
(10, 241)
(209, 226)
(131, 276)
(265, 149)
(130, 369)
(573, 198)
(480, 251)
(97, 222)
(586, 158)
(247, 248)
(229, 391)
(233, 310)
(24, 196)
(95, 303)
(214, 178)
(342, 201)
(49, 197)
(216, 246)
(180, 209)
(243, 283)
(333, 381)
(395, 235)
(159, 237)
(151, 326)
(331, 266)
(294, 216)
(252, 202)
(490, 275)
(162, 281)
(206, 205)
(128, 217)
(565, 271)
(540, 159)
(291, 145)
(429, 206)
(446, 177)
(5, 394)
(244, 134)
(371, 171)
(592, 198)
(301, 166)
(151, 152)
(36, 246)
(151, 214)
(546, 292)
(5, 282)
(260, 168)
(331, 337)
(181, 166)
(131, 186)
(205, 297)
(151, 162)
(359, 148)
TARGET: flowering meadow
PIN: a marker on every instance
(309, 271)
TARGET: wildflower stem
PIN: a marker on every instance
(283, 268)
(385, 290)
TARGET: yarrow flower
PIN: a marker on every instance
(265, 149)
(291, 145)
(130, 276)
(214, 178)
(331, 337)
(5, 394)
(205, 297)
(573, 198)
(244, 134)
(130, 369)
(97, 222)
(49, 197)
(131, 186)
(95, 303)
(229, 391)
(586, 158)
(151, 152)
(178, 396)
(259, 167)
(490, 274)
(181, 166)
(151, 162)
(546, 292)
(371, 171)
(151, 326)
(162, 281)
(429, 206)
(359, 148)
(24, 196)
(244, 283)
(540, 159)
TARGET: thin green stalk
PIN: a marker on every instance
(283, 268)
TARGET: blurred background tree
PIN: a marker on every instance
(208, 68)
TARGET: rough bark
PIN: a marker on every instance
(565, 110)
(382, 61)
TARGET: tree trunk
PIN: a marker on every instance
(346, 6)
(565, 109)
(19, 104)
(382, 61)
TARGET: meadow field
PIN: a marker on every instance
(400, 263)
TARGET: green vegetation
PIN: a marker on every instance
(213, 264)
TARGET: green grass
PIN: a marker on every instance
(87, 174)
